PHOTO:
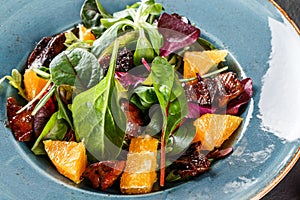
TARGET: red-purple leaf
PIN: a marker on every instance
(146, 64)
(195, 110)
(43, 115)
(177, 33)
(126, 79)
(234, 105)
(219, 153)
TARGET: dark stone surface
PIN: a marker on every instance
(292, 8)
(289, 187)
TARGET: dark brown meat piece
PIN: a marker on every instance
(214, 92)
(134, 120)
(192, 163)
(104, 174)
(39, 48)
(199, 93)
(124, 61)
(229, 87)
(43, 115)
(21, 124)
(46, 50)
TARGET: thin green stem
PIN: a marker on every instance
(36, 97)
(205, 75)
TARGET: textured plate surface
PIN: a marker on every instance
(257, 35)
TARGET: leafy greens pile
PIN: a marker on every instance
(93, 110)
(95, 114)
(138, 21)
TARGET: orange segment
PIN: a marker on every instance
(213, 129)
(86, 34)
(33, 84)
(69, 158)
(143, 144)
(139, 174)
(201, 61)
(137, 183)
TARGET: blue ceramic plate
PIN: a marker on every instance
(257, 35)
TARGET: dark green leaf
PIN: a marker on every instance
(181, 138)
(77, 68)
(90, 16)
(172, 176)
(167, 88)
(206, 44)
(162, 74)
(144, 97)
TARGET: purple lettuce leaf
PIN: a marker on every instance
(177, 33)
(195, 110)
(126, 79)
(233, 107)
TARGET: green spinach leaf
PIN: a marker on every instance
(98, 118)
(144, 97)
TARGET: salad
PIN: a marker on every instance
(133, 100)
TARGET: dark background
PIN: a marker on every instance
(289, 187)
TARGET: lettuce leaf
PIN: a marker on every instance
(177, 33)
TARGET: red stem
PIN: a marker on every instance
(162, 159)
(146, 64)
